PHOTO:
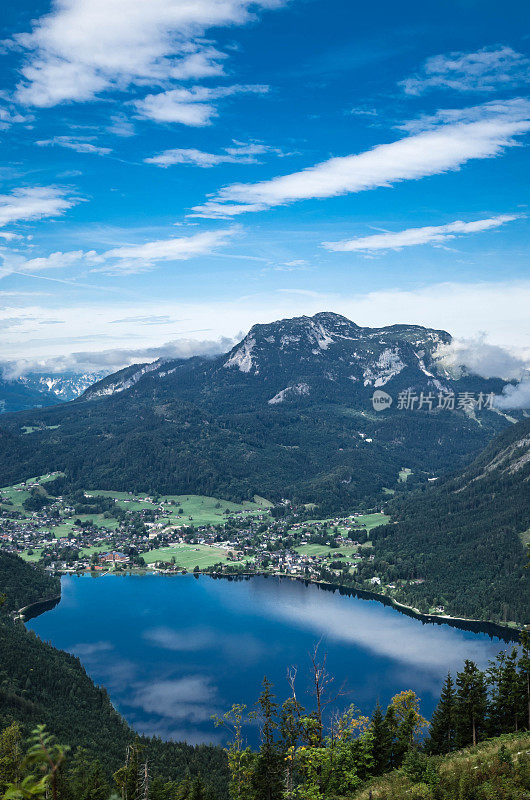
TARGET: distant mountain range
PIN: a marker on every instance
(35, 390)
(286, 413)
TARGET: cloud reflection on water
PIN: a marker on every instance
(372, 626)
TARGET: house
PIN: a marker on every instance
(114, 558)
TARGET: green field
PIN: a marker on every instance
(88, 551)
(323, 551)
(31, 429)
(33, 557)
(197, 509)
(188, 556)
(370, 521)
(404, 474)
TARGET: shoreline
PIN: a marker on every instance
(37, 608)
(505, 632)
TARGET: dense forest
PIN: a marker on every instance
(22, 584)
(464, 541)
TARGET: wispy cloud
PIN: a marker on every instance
(83, 48)
(192, 107)
(81, 144)
(443, 148)
(432, 234)
(482, 71)
(9, 115)
(138, 258)
(34, 202)
(513, 110)
(238, 153)
(123, 260)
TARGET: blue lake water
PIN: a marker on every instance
(172, 651)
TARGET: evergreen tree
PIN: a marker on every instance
(442, 738)
(86, 778)
(382, 741)
(267, 773)
(471, 704)
(505, 705)
(391, 727)
(524, 673)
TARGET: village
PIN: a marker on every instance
(102, 532)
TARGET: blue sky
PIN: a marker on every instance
(174, 172)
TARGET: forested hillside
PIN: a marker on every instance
(466, 538)
(22, 584)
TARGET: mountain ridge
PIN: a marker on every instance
(297, 421)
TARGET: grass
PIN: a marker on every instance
(188, 556)
(197, 510)
(476, 772)
(32, 429)
(88, 551)
(369, 521)
(323, 551)
(35, 555)
(404, 474)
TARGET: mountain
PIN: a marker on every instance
(305, 357)
(466, 537)
(16, 396)
(286, 413)
(35, 390)
(65, 386)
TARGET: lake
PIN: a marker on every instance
(173, 650)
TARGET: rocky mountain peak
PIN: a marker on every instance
(327, 342)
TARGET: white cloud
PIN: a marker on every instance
(515, 109)
(432, 234)
(483, 71)
(34, 202)
(81, 144)
(514, 396)
(121, 126)
(124, 260)
(239, 153)
(9, 116)
(464, 309)
(480, 357)
(131, 259)
(85, 47)
(431, 152)
(114, 359)
(189, 106)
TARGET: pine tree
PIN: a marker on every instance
(471, 704)
(267, 773)
(382, 741)
(505, 704)
(524, 673)
(442, 735)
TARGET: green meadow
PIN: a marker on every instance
(188, 556)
